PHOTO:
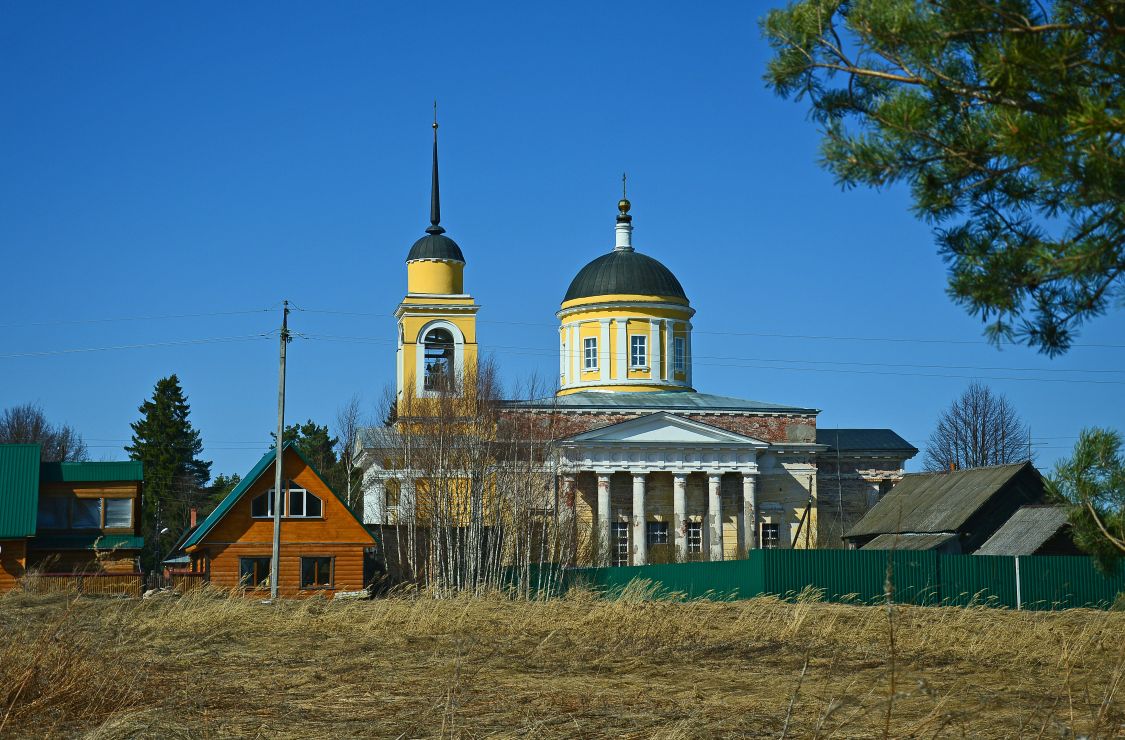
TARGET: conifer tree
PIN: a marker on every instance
(175, 476)
(1004, 118)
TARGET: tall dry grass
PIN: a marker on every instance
(413, 666)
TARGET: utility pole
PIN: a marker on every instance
(275, 562)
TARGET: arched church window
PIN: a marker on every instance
(438, 360)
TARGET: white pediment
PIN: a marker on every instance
(665, 428)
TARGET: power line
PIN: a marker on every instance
(135, 318)
(776, 335)
(169, 343)
(746, 362)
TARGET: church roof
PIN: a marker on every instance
(624, 272)
(867, 440)
(435, 247)
(656, 401)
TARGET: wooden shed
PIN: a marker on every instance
(323, 544)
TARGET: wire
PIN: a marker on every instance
(170, 343)
(136, 318)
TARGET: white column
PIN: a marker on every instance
(575, 355)
(687, 353)
(603, 351)
(564, 373)
(669, 350)
(603, 518)
(375, 501)
(569, 519)
(679, 512)
(622, 358)
(715, 514)
(749, 529)
(654, 349)
(640, 541)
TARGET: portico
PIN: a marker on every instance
(691, 488)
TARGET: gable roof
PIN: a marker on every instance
(654, 401)
(939, 502)
(244, 485)
(19, 490)
(1026, 531)
(868, 440)
(664, 427)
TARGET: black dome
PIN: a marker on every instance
(624, 271)
(435, 247)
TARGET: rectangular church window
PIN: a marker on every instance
(590, 353)
(619, 543)
(638, 351)
(694, 539)
(771, 535)
(679, 354)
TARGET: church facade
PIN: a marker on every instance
(651, 467)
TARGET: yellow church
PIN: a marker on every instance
(639, 458)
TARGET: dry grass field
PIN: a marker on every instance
(210, 666)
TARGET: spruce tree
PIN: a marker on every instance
(175, 476)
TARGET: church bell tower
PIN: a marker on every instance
(437, 326)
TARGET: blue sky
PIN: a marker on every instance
(209, 160)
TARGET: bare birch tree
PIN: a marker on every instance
(27, 424)
(348, 423)
(980, 428)
(475, 490)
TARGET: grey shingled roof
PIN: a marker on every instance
(656, 401)
(908, 541)
(1027, 530)
(936, 502)
(624, 272)
(869, 440)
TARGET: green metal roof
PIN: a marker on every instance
(649, 401)
(244, 485)
(86, 541)
(91, 472)
(19, 490)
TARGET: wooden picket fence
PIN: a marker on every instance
(110, 584)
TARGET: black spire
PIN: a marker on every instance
(435, 198)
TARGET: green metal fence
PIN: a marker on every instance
(863, 576)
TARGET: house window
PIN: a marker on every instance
(316, 572)
(694, 538)
(771, 535)
(590, 353)
(254, 572)
(53, 512)
(118, 513)
(656, 533)
(638, 351)
(619, 543)
(679, 354)
(87, 513)
(301, 504)
(438, 359)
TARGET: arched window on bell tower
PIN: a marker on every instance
(438, 363)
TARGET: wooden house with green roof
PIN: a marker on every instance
(323, 545)
(67, 517)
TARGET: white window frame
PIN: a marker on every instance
(291, 487)
(656, 533)
(693, 536)
(590, 353)
(619, 543)
(770, 543)
(638, 351)
(679, 354)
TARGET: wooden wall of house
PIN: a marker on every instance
(337, 534)
(13, 561)
(347, 570)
